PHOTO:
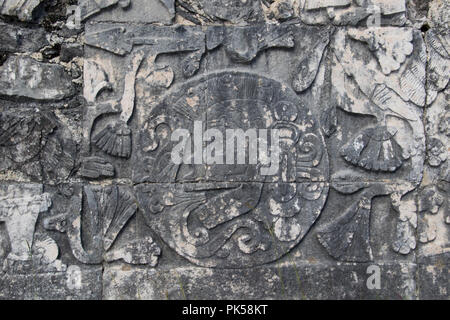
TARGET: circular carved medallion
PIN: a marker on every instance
(233, 214)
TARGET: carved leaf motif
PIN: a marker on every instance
(309, 66)
(438, 62)
(413, 79)
(14, 130)
(347, 239)
(109, 209)
(329, 121)
(22, 139)
(405, 234)
(391, 46)
(58, 154)
(117, 206)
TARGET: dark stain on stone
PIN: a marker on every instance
(3, 57)
(51, 52)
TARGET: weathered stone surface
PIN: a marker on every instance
(347, 12)
(16, 39)
(235, 11)
(36, 144)
(296, 281)
(147, 11)
(70, 51)
(73, 284)
(228, 149)
(28, 78)
(20, 9)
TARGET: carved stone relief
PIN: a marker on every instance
(357, 91)
(224, 220)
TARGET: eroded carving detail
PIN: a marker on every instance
(368, 88)
(90, 8)
(36, 145)
(93, 225)
(309, 66)
(19, 210)
(21, 9)
(244, 43)
(347, 12)
(204, 11)
(116, 138)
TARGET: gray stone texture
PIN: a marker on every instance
(93, 207)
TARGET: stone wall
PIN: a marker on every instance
(92, 205)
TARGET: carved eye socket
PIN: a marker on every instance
(63, 223)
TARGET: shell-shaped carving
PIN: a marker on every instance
(347, 238)
(114, 140)
(109, 210)
(117, 206)
(374, 149)
(44, 249)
